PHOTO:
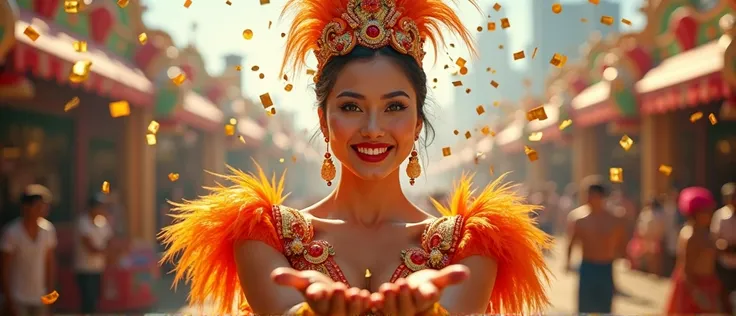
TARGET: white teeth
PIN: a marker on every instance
(372, 151)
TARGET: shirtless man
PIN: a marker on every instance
(601, 235)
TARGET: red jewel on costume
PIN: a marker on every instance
(372, 31)
(370, 6)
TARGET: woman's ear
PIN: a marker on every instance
(418, 129)
(323, 122)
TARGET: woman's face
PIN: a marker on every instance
(371, 117)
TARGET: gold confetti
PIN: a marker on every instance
(266, 100)
(500, 46)
(467, 90)
(616, 175)
(468, 135)
(242, 139)
(173, 177)
(293, 159)
(519, 55)
(584, 20)
(286, 77)
(480, 110)
(536, 136)
(457, 83)
(187, 3)
(531, 153)
(255, 68)
(460, 62)
(534, 53)
(71, 6)
(505, 23)
(123, 3)
(494, 83)
(491, 26)
(537, 113)
(229, 130)
(281, 160)
(50, 298)
(288, 87)
(248, 34)
(446, 151)
(496, 103)
(179, 79)
(665, 170)
(485, 130)
(228, 2)
(283, 35)
(565, 124)
(497, 7)
(80, 71)
(31, 33)
(153, 127)
(80, 46)
(696, 116)
(479, 29)
(594, 1)
(73, 103)
(233, 121)
(456, 132)
(311, 72)
(556, 8)
(625, 21)
(491, 170)
(150, 139)
(261, 76)
(464, 71)
(105, 187)
(712, 118)
(607, 20)
(558, 60)
(142, 38)
(272, 112)
(119, 109)
(626, 142)
(265, 2)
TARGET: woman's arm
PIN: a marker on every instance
(255, 261)
(471, 296)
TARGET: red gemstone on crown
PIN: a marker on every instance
(297, 229)
(372, 31)
(370, 6)
(339, 46)
(418, 258)
(435, 241)
(315, 250)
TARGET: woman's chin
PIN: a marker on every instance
(372, 171)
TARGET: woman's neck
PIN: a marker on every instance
(369, 202)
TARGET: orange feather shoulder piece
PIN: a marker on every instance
(497, 224)
(205, 230)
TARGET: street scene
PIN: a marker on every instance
(590, 141)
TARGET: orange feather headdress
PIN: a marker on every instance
(334, 27)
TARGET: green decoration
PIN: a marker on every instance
(166, 100)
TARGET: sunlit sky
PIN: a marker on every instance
(219, 32)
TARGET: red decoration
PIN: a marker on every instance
(101, 21)
(685, 28)
(46, 8)
(215, 92)
(315, 250)
(188, 71)
(145, 55)
(418, 258)
(372, 31)
(641, 58)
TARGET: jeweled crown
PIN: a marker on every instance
(373, 24)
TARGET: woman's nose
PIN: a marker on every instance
(372, 127)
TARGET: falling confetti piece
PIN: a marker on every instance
(255, 68)
(594, 1)
(534, 53)
(485, 130)
(479, 29)
(616, 175)
(119, 109)
(283, 35)
(467, 90)
(505, 23)
(105, 187)
(286, 77)
(480, 110)
(712, 118)
(626, 142)
(261, 76)
(491, 26)
(556, 8)
(288, 87)
(153, 127)
(584, 20)
(73, 103)
(558, 60)
(537, 113)
(233, 121)
(31, 33)
(269, 24)
(456, 132)
(173, 177)
(242, 139)
(293, 159)
(229, 130)
(179, 79)
(187, 3)
(248, 34)
(500, 46)
(150, 139)
(519, 55)
(565, 124)
(123, 3)
(457, 83)
(468, 135)
(80, 71)
(496, 103)
(464, 71)
(536, 136)
(607, 20)
(494, 83)
(272, 112)
(696, 116)
(665, 170)
(625, 21)
(80, 46)
(142, 38)
(228, 2)
(281, 160)
(531, 153)
(311, 72)
(266, 100)
(497, 7)
(446, 151)
(238, 68)
(50, 298)
(71, 6)
(491, 170)
(265, 2)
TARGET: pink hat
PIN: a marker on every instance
(695, 199)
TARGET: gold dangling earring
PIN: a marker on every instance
(328, 168)
(413, 169)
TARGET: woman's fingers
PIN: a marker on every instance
(389, 304)
(290, 277)
(405, 300)
(450, 275)
(337, 302)
(354, 301)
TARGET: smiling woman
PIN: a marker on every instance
(240, 243)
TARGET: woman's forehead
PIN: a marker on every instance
(373, 77)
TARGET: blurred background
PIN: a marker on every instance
(177, 87)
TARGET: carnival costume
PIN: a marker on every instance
(495, 223)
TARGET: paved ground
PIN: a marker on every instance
(641, 294)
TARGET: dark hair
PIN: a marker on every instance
(27, 200)
(407, 63)
(597, 189)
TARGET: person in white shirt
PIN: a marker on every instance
(93, 234)
(723, 227)
(28, 246)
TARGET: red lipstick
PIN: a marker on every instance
(372, 152)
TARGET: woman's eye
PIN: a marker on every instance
(350, 107)
(395, 107)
